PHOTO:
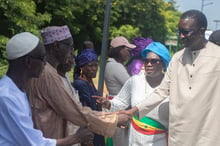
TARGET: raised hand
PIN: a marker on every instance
(102, 101)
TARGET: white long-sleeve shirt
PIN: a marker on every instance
(132, 93)
(192, 82)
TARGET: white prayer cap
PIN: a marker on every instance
(21, 44)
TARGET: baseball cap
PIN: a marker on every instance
(121, 41)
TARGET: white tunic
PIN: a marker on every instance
(132, 93)
(192, 82)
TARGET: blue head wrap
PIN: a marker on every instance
(158, 49)
(85, 56)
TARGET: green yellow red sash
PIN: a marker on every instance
(148, 126)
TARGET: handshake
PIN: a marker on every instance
(124, 116)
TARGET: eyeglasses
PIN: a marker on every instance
(184, 31)
(41, 58)
(152, 61)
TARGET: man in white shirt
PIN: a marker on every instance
(192, 83)
(27, 58)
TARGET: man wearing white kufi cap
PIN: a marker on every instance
(26, 57)
(52, 104)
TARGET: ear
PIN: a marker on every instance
(81, 68)
(202, 30)
(27, 62)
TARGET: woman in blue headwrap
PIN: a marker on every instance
(86, 69)
(151, 130)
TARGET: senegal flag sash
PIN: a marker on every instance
(148, 126)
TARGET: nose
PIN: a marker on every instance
(148, 63)
(95, 68)
(181, 35)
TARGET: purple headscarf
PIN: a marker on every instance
(134, 67)
(141, 43)
(85, 56)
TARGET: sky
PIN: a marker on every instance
(212, 11)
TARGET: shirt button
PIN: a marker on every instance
(194, 53)
(190, 88)
(193, 65)
(191, 76)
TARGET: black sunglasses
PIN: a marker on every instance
(184, 31)
(152, 61)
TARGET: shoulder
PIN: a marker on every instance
(48, 76)
(9, 91)
(178, 54)
(113, 62)
(139, 76)
(212, 49)
(79, 82)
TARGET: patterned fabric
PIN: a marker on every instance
(147, 126)
(55, 33)
(86, 56)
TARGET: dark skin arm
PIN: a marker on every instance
(83, 135)
(124, 115)
(103, 101)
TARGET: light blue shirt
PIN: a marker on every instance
(16, 125)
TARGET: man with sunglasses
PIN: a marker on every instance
(52, 104)
(192, 83)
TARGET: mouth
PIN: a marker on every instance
(149, 71)
(184, 41)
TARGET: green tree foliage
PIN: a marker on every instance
(147, 15)
(148, 18)
(125, 30)
(18, 16)
(172, 16)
